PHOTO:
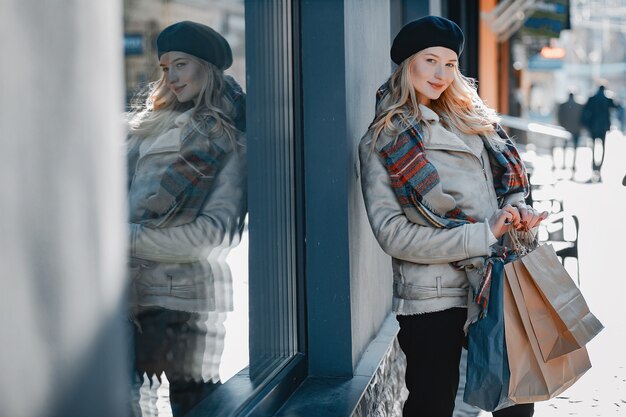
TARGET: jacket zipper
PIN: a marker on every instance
(480, 161)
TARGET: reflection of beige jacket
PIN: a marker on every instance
(424, 280)
(182, 267)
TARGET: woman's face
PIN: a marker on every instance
(432, 71)
(184, 75)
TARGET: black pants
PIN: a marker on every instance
(432, 344)
(173, 342)
(597, 165)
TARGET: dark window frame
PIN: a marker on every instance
(274, 126)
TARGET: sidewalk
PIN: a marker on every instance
(600, 208)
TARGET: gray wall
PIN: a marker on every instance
(62, 229)
(367, 66)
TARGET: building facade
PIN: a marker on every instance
(310, 332)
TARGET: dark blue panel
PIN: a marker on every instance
(326, 172)
(414, 9)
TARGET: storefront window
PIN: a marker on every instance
(189, 273)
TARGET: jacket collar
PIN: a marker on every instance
(169, 140)
(428, 114)
(437, 137)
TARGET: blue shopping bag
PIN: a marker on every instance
(488, 371)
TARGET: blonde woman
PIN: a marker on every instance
(187, 203)
(442, 183)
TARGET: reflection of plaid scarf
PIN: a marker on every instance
(186, 183)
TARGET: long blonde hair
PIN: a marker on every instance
(459, 104)
(156, 109)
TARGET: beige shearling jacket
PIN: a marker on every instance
(423, 279)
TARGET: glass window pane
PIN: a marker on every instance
(201, 322)
(187, 201)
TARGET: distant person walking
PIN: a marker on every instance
(596, 118)
(621, 117)
(569, 116)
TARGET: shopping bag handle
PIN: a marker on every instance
(523, 241)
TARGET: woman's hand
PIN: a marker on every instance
(522, 217)
(529, 217)
(503, 219)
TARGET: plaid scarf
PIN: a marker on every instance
(413, 179)
(187, 182)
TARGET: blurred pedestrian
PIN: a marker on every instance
(442, 183)
(621, 117)
(569, 116)
(187, 204)
(596, 118)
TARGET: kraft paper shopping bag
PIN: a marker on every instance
(532, 379)
(551, 332)
(566, 306)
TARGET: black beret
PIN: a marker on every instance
(424, 33)
(198, 40)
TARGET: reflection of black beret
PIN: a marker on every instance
(198, 40)
(424, 33)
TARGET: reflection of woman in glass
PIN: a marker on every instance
(441, 183)
(187, 203)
